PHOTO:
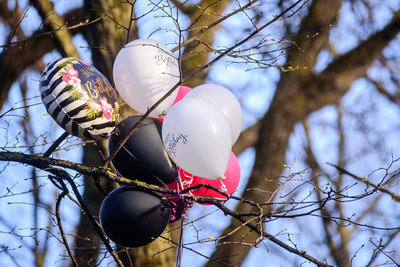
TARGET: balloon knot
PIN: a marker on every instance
(179, 206)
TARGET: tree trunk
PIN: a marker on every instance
(297, 95)
(87, 242)
(275, 130)
(197, 53)
(106, 39)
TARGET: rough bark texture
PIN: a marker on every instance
(107, 38)
(57, 25)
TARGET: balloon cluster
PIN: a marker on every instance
(198, 133)
(186, 140)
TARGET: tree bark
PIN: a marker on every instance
(87, 242)
(17, 58)
(197, 53)
(297, 95)
(57, 25)
(105, 39)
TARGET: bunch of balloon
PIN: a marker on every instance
(79, 98)
(198, 133)
(144, 71)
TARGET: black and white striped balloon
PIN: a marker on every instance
(79, 98)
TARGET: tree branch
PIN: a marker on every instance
(364, 180)
(270, 237)
(247, 138)
(298, 94)
(60, 226)
(184, 7)
(14, 60)
(338, 77)
(58, 25)
(313, 34)
(46, 164)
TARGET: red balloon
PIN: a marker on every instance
(182, 91)
(228, 185)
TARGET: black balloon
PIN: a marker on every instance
(143, 157)
(133, 217)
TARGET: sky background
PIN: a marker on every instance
(254, 90)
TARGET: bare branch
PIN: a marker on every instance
(364, 180)
(247, 138)
(16, 59)
(60, 226)
(57, 24)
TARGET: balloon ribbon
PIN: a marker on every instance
(180, 249)
(186, 206)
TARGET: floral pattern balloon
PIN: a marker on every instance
(79, 98)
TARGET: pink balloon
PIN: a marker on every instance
(228, 185)
(182, 91)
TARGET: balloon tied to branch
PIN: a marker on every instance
(186, 141)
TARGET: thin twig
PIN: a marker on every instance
(95, 224)
(212, 25)
(378, 187)
(60, 227)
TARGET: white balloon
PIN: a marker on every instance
(225, 100)
(197, 137)
(144, 70)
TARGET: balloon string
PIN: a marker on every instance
(180, 246)
(223, 187)
(180, 249)
(187, 182)
(186, 206)
(173, 213)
